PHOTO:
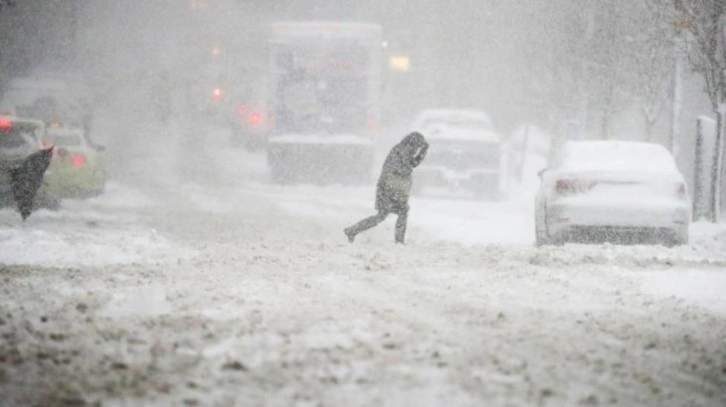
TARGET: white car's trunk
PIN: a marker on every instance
(616, 199)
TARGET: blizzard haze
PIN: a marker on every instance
(199, 276)
(543, 63)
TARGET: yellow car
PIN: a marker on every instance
(78, 166)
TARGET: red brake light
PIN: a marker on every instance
(681, 190)
(255, 118)
(78, 161)
(6, 125)
(573, 186)
(217, 94)
(372, 124)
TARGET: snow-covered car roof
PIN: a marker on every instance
(612, 155)
(453, 115)
(456, 124)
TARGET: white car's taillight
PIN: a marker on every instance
(78, 160)
(573, 186)
(681, 190)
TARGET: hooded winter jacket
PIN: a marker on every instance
(394, 184)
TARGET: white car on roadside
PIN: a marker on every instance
(612, 191)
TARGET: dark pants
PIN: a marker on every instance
(374, 220)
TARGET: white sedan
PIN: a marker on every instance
(612, 191)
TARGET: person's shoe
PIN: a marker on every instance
(349, 233)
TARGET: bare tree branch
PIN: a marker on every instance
(704, 21)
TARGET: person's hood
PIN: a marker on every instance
(414, 139)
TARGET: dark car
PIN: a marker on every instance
(465, 153)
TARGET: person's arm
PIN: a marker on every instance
(420, 155)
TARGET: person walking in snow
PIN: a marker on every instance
(394, 186)
(27, 178)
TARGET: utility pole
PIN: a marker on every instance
(677, 91)
(697, 198)
(716, 167)
(73, 33)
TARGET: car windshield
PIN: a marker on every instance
(16, 138)
(622, 156)
(457, 154)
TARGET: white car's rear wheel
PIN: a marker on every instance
(678, 239)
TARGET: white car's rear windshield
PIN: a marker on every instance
(65, 140)
(616, 156)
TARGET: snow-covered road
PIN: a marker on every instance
(199, 283)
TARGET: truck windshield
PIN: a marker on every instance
(322, 86)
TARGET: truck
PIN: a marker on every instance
(324, 101)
